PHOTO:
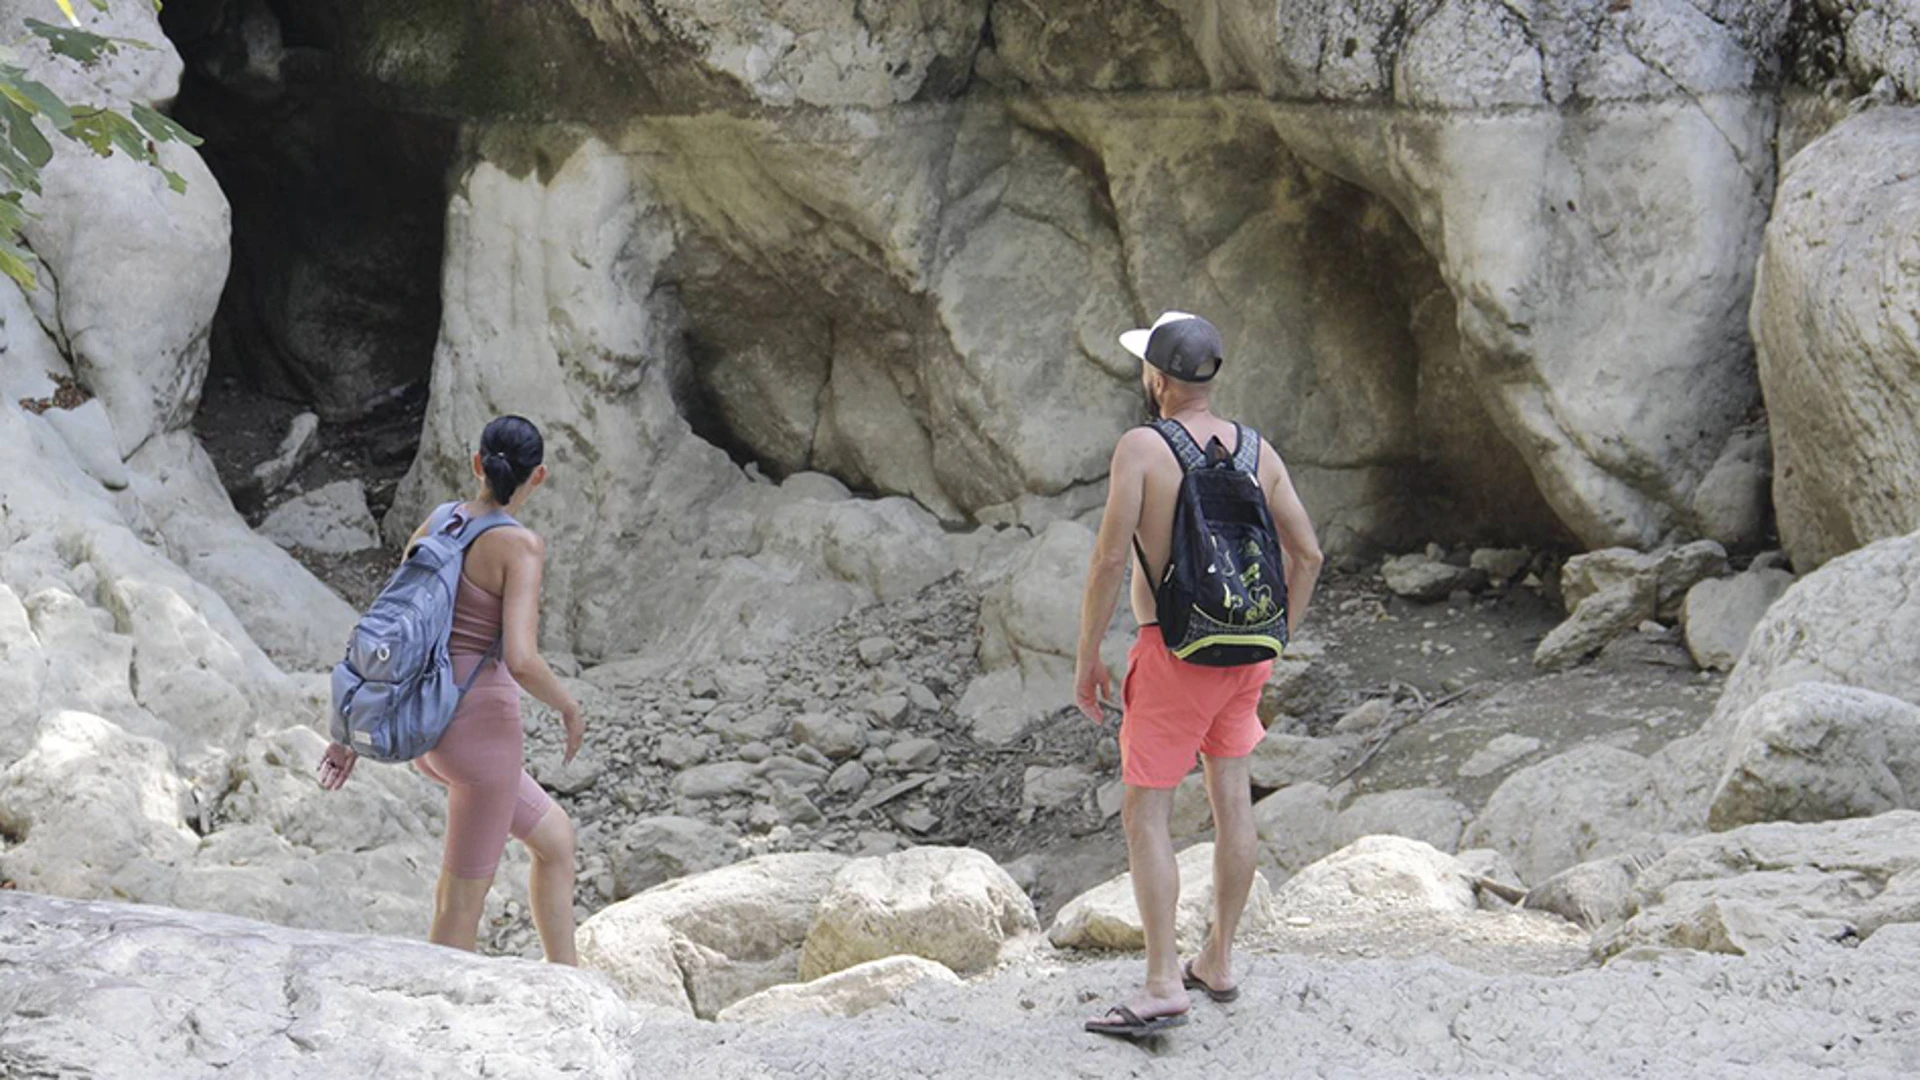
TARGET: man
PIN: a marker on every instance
(1173, 709)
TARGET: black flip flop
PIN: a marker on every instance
(1130, 1026)
(1195, 982)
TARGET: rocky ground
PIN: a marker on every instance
(849, 742)
(267, 1001)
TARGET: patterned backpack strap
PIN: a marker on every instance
(1189, 453)
(1246, 455)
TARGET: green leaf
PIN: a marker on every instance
(36, 99)
(17, 263)
(79, 45)
(162, 127)
(25, 135)
(101, 6)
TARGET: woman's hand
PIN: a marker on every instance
(336, 765)
(576, 726)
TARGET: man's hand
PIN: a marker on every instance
(1092, 685)
(336, 765)
(576, 726)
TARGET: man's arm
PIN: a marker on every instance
(1126, 488)
(1297, 542)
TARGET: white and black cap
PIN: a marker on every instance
(1187, 347)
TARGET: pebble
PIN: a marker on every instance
(875, 651)
(913, 753)
(849, 780)
(755, 752)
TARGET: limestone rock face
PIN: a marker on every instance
(858, 989)
(1833, 320)
(1106, 917)
(1764, 885)
(1816, 752)
(698, 944)
(292, 1003)
(954, 906)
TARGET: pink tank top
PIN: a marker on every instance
(477, 618)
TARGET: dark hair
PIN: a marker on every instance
(510, 449)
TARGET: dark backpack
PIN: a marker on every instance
(394, 695)
(1223, 597)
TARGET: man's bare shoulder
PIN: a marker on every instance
(1140, 445)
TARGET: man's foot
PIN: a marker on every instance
(1221, 991)
(1130, 1022)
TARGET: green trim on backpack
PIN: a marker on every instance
(1258, 641)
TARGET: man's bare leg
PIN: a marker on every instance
(1148, 817)
(1235, 847)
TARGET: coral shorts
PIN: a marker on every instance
(1172, 710)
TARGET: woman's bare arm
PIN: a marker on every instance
(520, 632)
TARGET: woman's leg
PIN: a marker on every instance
(478, 818)
(550, 838)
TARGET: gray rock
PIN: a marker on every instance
(719, 780)
(296, 449)
(1669, 571)
(1298, 686)
(1501, 565)
(875, 651)
(1834, 347)
(1425, 814)
(1050, 788)
(1365, 717)
(1761, 886)
(1421, 578)
(794, 773)
(1592, 894)
(677, 751)
(913, 753)
(888, 710)
(835, 736)
(658, 849)
(1499, 753)
(1283, 760)
(1720, 613)
(586, 769)
(1600, 618)
(1589, 802)
(333, 521)
(1816, 752)
(849, 780)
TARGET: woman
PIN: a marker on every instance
(480, 759)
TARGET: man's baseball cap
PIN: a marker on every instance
(1184, 346)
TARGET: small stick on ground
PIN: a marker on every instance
(1388, 732)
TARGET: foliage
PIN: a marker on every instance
(26, 105)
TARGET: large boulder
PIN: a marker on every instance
(1816, 752)
(1106, 917)
(698, 944)
(1592, 894)
(954, 906)
(1589, 802)
(1837, 339)
(1297, 825)
(1426, 814)
(332, 520)
(1764, 885)
(1834, 626)
(1374, 875)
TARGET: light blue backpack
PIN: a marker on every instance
(395, 694)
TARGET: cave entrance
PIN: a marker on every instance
(332, 302)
